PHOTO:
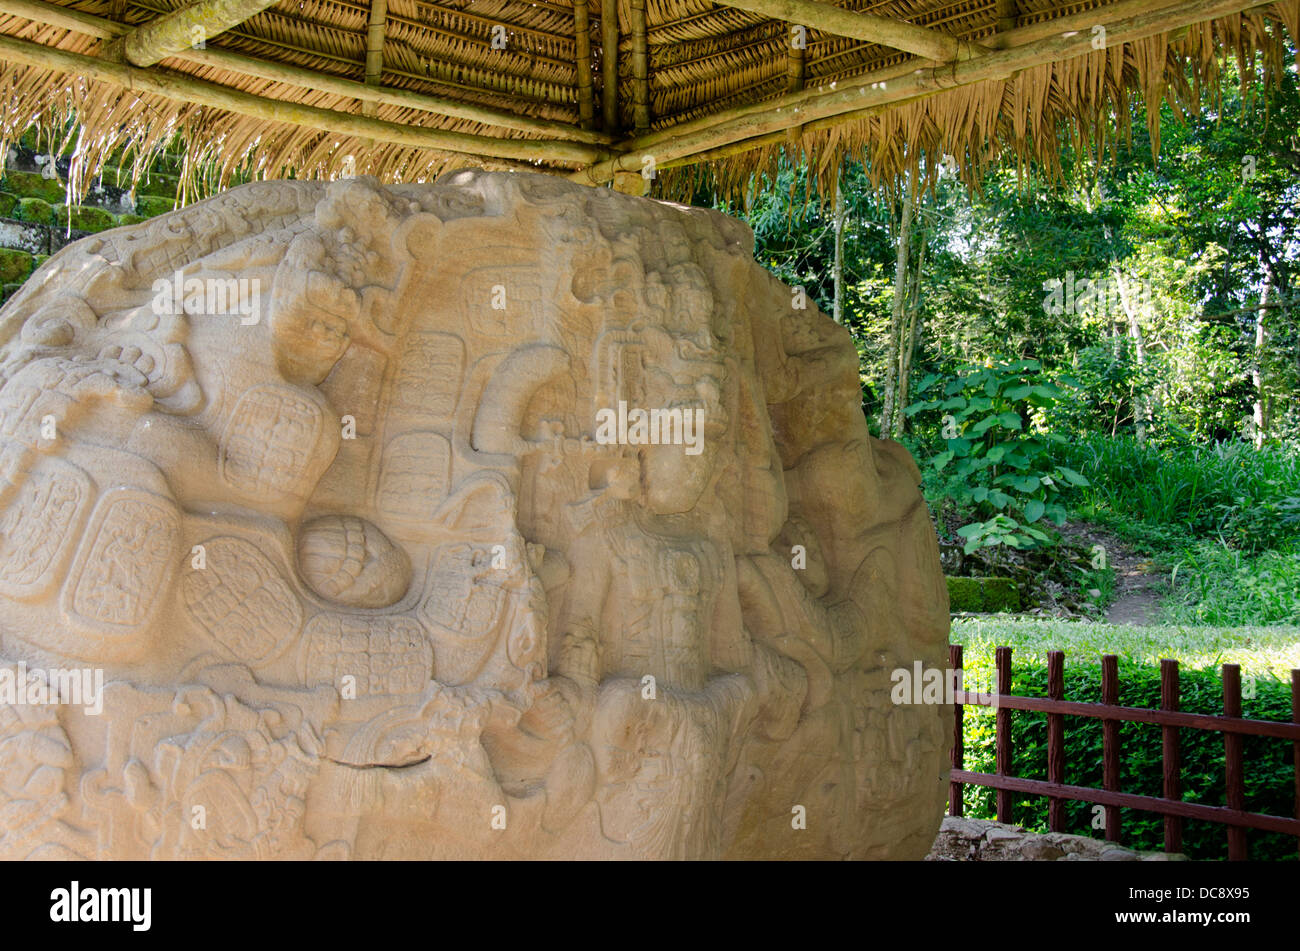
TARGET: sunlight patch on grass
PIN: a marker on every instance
(1259, 650)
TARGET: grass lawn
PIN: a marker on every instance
(1261, 651)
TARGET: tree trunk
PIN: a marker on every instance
(838, 312)
(1141, 411)
(911, 332)
(904, 238)
(1259, 416)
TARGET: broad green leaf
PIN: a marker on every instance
(1072, 477)
(1034, 511)
(1011, 421)
(942, 460)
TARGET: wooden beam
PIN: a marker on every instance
(867, 27)
(68, 19)
(582, 40)
(640, 70)
(609, 63)
(890, 87)
(183, 29)
(210, 95)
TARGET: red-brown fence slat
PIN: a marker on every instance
(955, 805)
(1295, 747)
(1232, 774)
(1003, 733)
(1213, 722)
(1056, 739)
(1189, 810)
(1110, 743)
(1171, 754)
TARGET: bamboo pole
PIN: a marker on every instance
(210, 95)
(795, 66)
(582, 39)
(640, 70)
(893, 86)
(867, 27)
(375, 41)
(375, 49)
(185, 28)
(609, 63)
(90, 25)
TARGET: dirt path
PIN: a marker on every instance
(1138, 586)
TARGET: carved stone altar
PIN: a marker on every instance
(309, 474)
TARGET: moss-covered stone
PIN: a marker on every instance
(983, 595)
(33, 185)
(10, 290)
(35, 210)
(14, 266)
(84, 218)
(130, 219)
(158, 186)
(7, 204)
(152, 205)
(38, 260)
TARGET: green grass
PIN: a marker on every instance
(1162, 497)
(1213, 584)
(1265, 651)
(1266, 655)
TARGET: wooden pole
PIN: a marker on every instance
(582, 40)
(1295, 746)
(1002, 732)
(1171, 754)
(1110, 759)
(186, 28)
(184, 89)
(609, 66)
(375, 49)
(958, 759)
(375, 41)
(640, 70)
(1232, 766)
(867, 27)
(1056, 739)
(1028, 47)
(89, 25)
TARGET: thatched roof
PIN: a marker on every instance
(590, 88)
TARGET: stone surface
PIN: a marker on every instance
(314, 476)
(980, 840)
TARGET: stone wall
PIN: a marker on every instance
(36, 220)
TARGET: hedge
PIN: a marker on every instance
(1269, 763)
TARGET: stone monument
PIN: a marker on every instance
(494, 518)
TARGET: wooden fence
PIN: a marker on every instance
(1171, 721)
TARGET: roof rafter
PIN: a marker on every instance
(88, 24)
(211, 95)
(867, 27)
(187, 28)
(1027, 47)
